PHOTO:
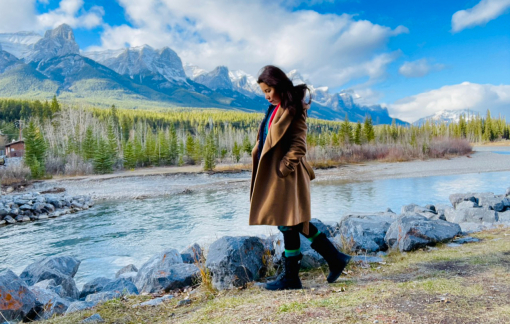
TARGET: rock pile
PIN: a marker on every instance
(34, 206)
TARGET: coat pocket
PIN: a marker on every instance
(308, 169)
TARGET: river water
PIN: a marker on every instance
(116, 233)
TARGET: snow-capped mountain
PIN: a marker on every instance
(216, 79)
(56, 42)
(137, 62)
(245, 83)
(447, 116)
(42, 66)
(19, 44)
(7, 60)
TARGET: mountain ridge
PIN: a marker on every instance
(145, 74)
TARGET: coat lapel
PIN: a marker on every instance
(279, 126)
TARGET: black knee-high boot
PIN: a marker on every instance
(336, 260)
(289, 278)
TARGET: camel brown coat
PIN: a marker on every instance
(280, 181)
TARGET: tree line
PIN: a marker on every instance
(59, 138)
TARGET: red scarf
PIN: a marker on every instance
(272, 115)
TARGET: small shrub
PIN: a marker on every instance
(14, 173)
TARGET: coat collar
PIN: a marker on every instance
(281, 123)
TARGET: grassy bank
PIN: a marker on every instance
(465, 284)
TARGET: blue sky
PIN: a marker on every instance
(415, 57)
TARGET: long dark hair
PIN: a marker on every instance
(292, 97)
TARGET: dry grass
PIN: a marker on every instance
(327, 157)
(468, 284)
(14, 173)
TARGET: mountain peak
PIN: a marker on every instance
(56, 42)
(63, 31)
(216, 79)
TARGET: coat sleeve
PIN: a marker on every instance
(297, 137)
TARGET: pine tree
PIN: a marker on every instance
(112, 145)
(236, 152)
(35, 150)
(210, 152)
(129, 155)
(89, 144)
(357, 134)
(247, 147)
(346, 131)
(368, 129)
(190, 149)
(102, 159)
(174, 146)
(55, 106)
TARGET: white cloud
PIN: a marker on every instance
(418, 69)
(483, 12)
(18, 15)
(330, 49)
(472, 96)
(70, 12)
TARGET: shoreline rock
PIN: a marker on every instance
(35, 206)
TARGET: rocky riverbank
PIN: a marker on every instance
(35, 206)
(47, 287)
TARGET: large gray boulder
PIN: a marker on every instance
(466, 204)
(365, 232)
(94, 286)
(504, 217)
(460, 197)
(48, 303)
(413, 232)
(115, 289)
(128, 268)
(122, 286)
(328, 230)
(235, 261)
(472, 215)
(60, 269)
(192, 254)
(16, 299)
(165, 271)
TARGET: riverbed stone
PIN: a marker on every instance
(16, 299)
(504, 217)
(130, 276)
(2, 222)
(79, 306)
(22, 218)
(165, 271)
(48, 303)
(96, 318)
(94, 286)
(235, 261)
(192, 254)
(62, 269)
(492, 203)
(365, 232)
(413, 232)
(460, 197)
(155, 302)
(4, 211)
(9, 220)
(128, 268)
(122, 286)
(467, 239)
(466, 204)
(472, 215)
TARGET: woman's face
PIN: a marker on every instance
(270, 93)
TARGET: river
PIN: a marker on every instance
(113, 234)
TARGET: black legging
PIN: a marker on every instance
(291, 239)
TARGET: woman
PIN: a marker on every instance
(280, 184)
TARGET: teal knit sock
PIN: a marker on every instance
(292, 253)
(312, 238)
